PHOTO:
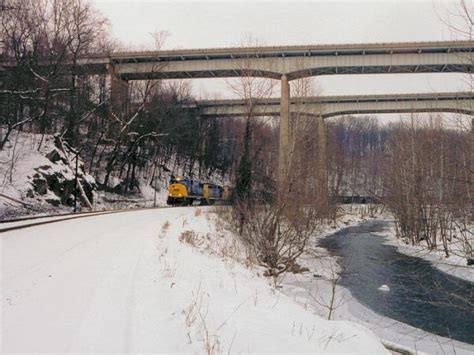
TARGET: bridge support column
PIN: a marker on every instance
(322, 173)
(119, 94)
(283, 150)
(471, 144)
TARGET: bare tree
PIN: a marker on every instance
(83, 26)
(42, 37)
(34, 42)
(426, 188)
(124, 138)
(277, 230)
(250, 88)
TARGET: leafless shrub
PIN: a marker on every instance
(277, 235)
(332, 301)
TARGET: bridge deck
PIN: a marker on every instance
(329, 106)
(294, 61)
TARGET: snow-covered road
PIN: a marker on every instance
(125, 283)
(73, 281)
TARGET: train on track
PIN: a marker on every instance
(183, 191)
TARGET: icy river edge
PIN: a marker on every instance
(315, 291)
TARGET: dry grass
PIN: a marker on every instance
(211, 342)
(168, 270)
(191, 238)
(197, 311)
(193, 310)
(233, 249)
(165, 227)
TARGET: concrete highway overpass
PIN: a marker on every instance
(292, 61)
(330, 106)
(297, 61)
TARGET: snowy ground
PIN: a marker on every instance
(454, 265)
(168, 280)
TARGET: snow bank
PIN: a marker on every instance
(349, 215)
(152, 281)
(454, 265)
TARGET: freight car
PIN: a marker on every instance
(182, 191)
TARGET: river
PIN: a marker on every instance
(416, 293)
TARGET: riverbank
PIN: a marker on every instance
(319, 292)
(454, 265)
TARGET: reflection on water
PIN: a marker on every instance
(420, 294)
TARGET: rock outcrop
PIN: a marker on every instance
(56, 182)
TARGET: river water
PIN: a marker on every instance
(419, 294)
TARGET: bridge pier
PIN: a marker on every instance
(471, 145)
(322, 174)
(284, 146)
(119, 93)
(283, 150)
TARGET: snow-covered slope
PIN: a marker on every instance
(35, 178)
(165, 280)
(37, 175)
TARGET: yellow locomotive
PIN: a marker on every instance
(182, 191)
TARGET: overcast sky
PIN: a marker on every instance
(227, 23)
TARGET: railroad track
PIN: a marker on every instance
(5, 226)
